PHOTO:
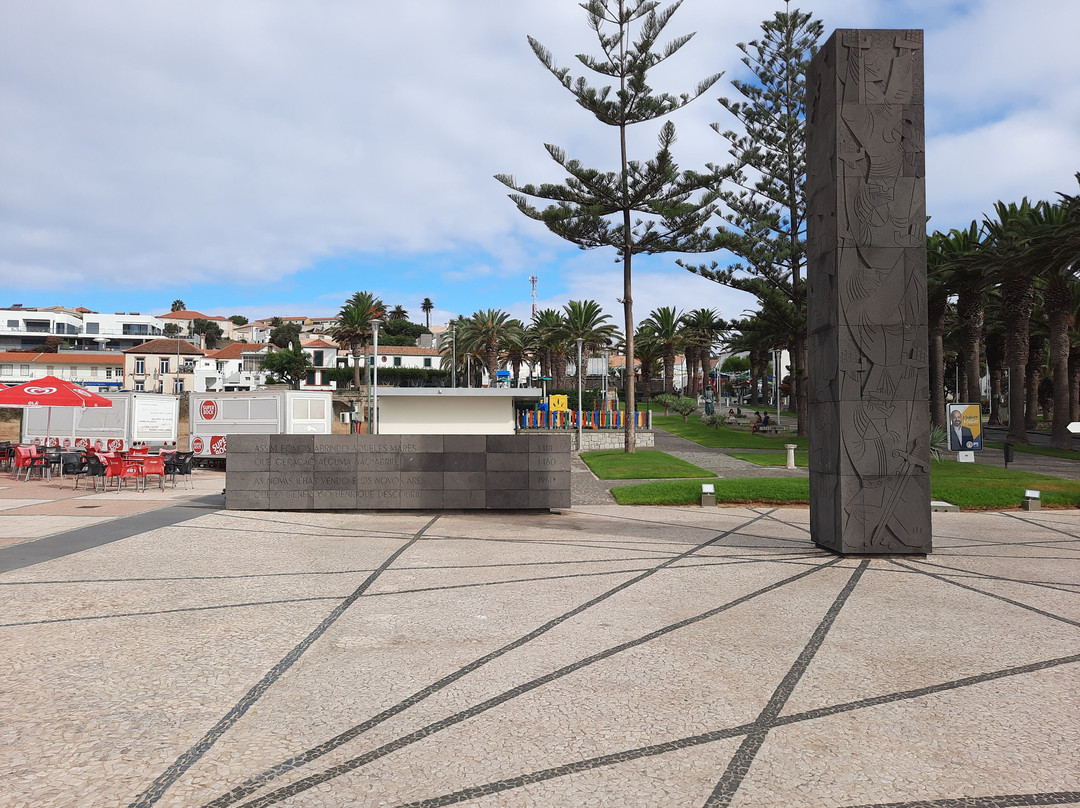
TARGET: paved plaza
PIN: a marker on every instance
(170, 653)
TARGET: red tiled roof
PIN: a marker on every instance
(237, 349)
(189, 315)
(319, 343)
(166, 347)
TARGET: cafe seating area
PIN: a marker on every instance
(136, 467)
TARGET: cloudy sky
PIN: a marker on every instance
(265, 157)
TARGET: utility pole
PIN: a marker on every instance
(533, 279)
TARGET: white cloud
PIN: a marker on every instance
(149, 143)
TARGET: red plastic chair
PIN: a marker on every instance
(27, 457)
(122, 470)
(154, 465)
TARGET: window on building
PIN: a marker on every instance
(50, 370)
(178, 385)
(136, 329)
(397, 361)
(164, 364)
(13, 324)
(317, 358)
(93, 372)
(108, 373)
(140, 386)
(93, 328)
(311, 377)
(7, 370)
(427, 361)
(24, 370)
(140, 364)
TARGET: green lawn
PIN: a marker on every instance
(723, 438)
(1045, 451)
(644, 464)
(968, 485)
(771, 458)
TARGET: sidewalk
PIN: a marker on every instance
(604, 656)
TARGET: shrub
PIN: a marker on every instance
(684, 405)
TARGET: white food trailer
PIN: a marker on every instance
(133, 419)
(213, 416)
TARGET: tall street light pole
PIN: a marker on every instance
(579, 341)
(375, 323)
(453, 357)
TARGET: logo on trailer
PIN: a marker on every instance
(37, 441)
(217, 445)
(82, 443)
(208, 410)
(67, 443)
(116, 445)
(97, 444)
(197, 445)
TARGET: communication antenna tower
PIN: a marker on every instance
(532, 280)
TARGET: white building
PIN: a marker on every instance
(101, 371)
(234, 368)
(23, 327)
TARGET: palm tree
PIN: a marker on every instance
(547, 336)
(397, 313)
(702, 328)
(1057, 284)
(666, 326)
(937, 294)
(1016, 281)
(486, 334)
(354, 327)
(427, 307)
(648, 350)
(585, 320)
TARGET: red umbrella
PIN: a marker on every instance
(50, 391)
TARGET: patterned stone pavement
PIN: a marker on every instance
(602, 656)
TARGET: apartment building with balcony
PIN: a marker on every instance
(23, 327)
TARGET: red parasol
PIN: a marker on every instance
(50, 392)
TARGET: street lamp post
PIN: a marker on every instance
(453, 356)
(579, 341)
(375, 323)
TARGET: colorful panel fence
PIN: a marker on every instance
(590, 419)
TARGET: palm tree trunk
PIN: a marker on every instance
(669, 371)
(969, 305)
(1074, 384)
(1060, 436)
(1036, 355)
(937, 366)
(1018, 299)
(995, 355)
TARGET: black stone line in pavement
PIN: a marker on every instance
(629, 755)
(157, 789)
(948, 580)
(740, 763)
(259, 781)
(995, 801)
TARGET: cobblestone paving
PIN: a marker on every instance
(604, 656)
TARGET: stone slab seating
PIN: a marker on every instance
(397, 472)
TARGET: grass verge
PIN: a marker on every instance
(645, 464)
(970, 486)
(1045, 451)
(723, 438)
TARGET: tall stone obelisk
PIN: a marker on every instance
(866, 295)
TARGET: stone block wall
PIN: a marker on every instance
(397, 472)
